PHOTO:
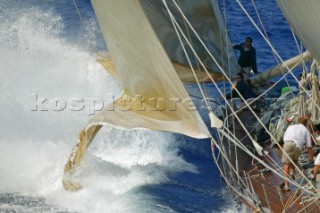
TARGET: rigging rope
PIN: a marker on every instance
(245, 11)
(83, 25)
(90, 43)
(224, 175)
(79, 14)
(176, 24)
(189, 37)
(268, 42)
(266, 35)
(246, 103)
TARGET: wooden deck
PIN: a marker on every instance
(271, 196)
(265, 186)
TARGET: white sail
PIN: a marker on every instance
(154, 97)
(303, 17)
(145, 72)
(206, 18)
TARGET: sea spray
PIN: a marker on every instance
(36, 59)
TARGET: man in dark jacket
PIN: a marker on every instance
(247, 60)
(243, 88)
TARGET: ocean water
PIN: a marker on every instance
(47, 61)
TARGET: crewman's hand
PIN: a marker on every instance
(233, 85)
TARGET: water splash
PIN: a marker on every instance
(35, 144)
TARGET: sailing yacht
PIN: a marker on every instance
(154, 47)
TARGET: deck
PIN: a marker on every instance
(263, 186)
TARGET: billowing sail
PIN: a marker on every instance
(303, 17)
(154, 96)
(206, 18)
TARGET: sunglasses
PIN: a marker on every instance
(248, 41)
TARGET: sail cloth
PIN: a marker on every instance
(154, 96)
(184, 72)
(206, 18)
(304, 19)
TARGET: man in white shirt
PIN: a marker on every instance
(295, 138)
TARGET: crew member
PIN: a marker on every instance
(295, 138)
(247, 60)
(243, 88)
(316, 168)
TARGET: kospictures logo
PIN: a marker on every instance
(92, 105)
(123, 103)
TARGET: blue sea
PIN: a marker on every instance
(47, 57)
